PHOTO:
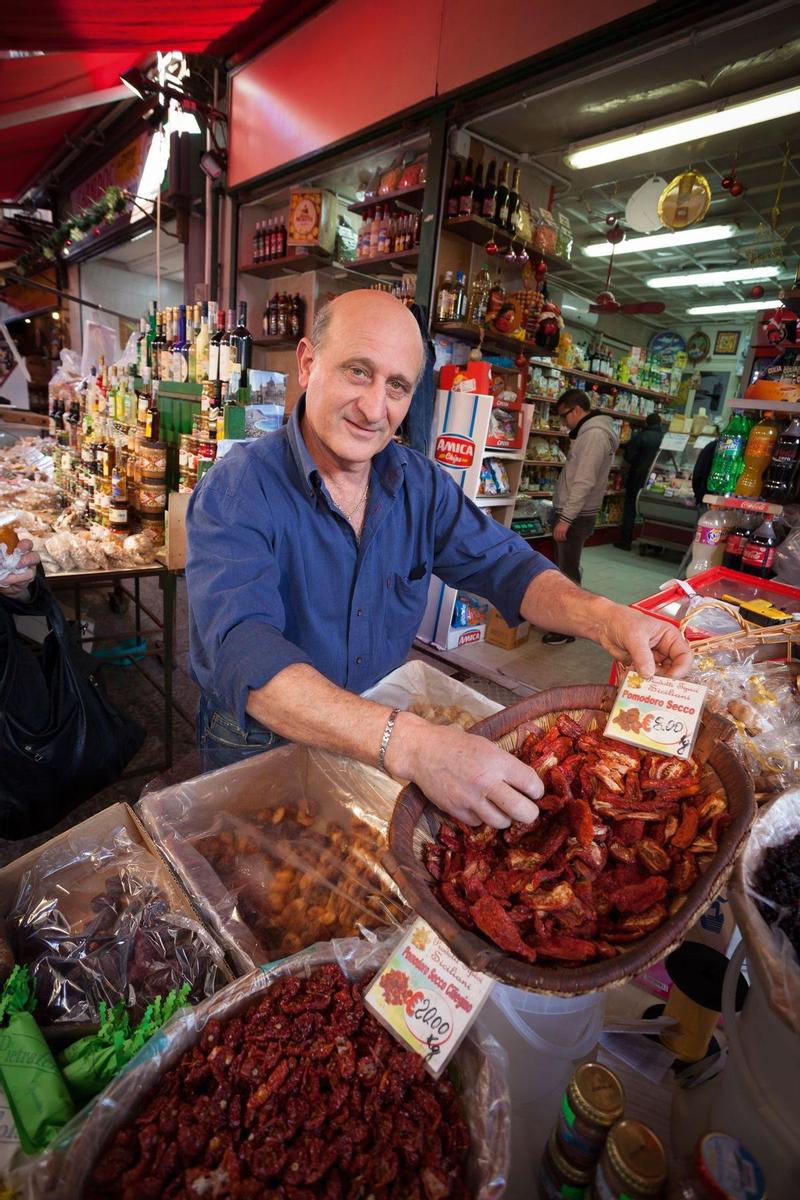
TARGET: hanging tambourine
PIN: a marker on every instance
(684, 201)
(641, 211)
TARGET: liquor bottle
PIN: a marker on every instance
(489, 193)
(416, 230)
(479, 296)
(273, 316)
(152, 423)
(477, 188)
(467, 196)
(297, 319)
(180, 349)
(192, 334)
(728, 461)
(501, 199)
(163, 349)
(375, 233)
(281, 241)
(141, 348)
(227, 348)
(362, 245)
(384, 233)
(201, 346)
(240, 347)
(214, 348)
(758, 554)
(513, 204)
(757, 456)
(258, 244)
(783, 472)
(738, 539)
(454, 193)
(459, 298)
(444, 300)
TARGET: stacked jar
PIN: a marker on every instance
(633, 1165)
(187, 462)
(593, 1101)
(153, 489)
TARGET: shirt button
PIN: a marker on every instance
(360, 612)
(359, 661)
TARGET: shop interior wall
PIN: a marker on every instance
(351, 66)
(125, 291)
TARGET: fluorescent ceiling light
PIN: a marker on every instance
(713, 278)
(706, 310)
(675, 133)
(658, 241)
(139, 236)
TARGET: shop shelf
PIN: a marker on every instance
(379, 264)
(410, 198)
(494, 501)
(504, 452)
(541, 399)
(557, 433)
(632, 418)
(544, 462)
(742, 503)
(534, 495)
(479, 231)
(276, 343)
(289, 265)
(773, 406)
(626, 387)
(464, 332)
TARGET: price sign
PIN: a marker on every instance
(659, 714)
(426, 997)
(674, 441)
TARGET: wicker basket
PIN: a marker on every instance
(414, 818)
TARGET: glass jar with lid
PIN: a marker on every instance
(558, 1178)
(593, 1101)
(633, 1164)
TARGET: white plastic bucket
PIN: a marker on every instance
(755, 1097)
(542, 1035)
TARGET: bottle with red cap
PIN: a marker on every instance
(758, 554)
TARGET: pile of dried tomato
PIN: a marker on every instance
(303, 1095)
(621, 837)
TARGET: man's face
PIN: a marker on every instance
(360, 381)
(570, 415)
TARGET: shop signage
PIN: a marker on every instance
(451, 450)
(123, 171)
(426, 997)
(674, 441)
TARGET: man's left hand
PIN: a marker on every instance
(15, 586)
(560, 531)
(650, 646)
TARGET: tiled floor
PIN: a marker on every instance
(617, 574)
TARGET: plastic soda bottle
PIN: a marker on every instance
(759, 553)
(710, 539)
(757, 456)
(738, 538)
(782, 472)
(729, 458)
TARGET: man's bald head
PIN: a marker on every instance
(364, 304)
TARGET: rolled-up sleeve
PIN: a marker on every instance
(477, 553)
(237, 616)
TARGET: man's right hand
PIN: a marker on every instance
(466, 776)
(15, 586)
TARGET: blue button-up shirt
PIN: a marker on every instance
(276, 576)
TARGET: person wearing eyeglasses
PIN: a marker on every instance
(581, 485)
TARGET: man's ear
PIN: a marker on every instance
(305, 359)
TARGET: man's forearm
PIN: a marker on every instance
(553, 602)
(302, 705)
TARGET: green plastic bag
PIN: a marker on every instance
(35, 1090)
(93, 1061)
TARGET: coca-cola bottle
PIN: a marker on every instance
(780, 477)
(759, 552)
(738, 538)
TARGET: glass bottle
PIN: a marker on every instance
(467, 196)
(757, 456)
(240, 346)
(501, 198)
(632, 1165)
(728, 460)
(459, 298)
(512, 208)
(444, 300)
(489, 193)
(454, 192)
(479, 296)
(201, 345)
(214, 348)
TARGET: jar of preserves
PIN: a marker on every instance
(593, 1101)
(633, 1164)
(558, 1178)
(153, 461)
(722, 1168)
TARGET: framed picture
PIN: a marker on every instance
(727, 341)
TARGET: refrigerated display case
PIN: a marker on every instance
(666, 504)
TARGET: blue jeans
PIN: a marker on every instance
(222, 739)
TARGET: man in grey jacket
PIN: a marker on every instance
(581, 486)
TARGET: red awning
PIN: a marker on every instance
(88, 44)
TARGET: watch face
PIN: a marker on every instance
(698, 347)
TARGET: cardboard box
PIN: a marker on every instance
(498, 633)
(177, 504)
(312, 219)
(462, 635)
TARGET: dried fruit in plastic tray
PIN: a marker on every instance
(621, 837)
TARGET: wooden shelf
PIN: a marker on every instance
(534, 495)
(548, 433)
(773, 406)
(626, 387)
(410, 198)
(632, 418)
(276, 343)
(378, 265)
(495, 501)
(540, 399)
(471, 334)
(291, 264)
(479, 231)
(544, 462)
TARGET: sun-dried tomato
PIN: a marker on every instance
(493, 920)
(687, 830)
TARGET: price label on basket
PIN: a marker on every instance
(659, 714)
(426, 997)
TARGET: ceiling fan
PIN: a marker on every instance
(606, 303)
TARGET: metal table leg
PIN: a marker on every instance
(169, 588)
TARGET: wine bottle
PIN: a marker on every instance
(454, 194)
(489, 193)
(240, 346)
(467, 197)
(513, 204)
(501, 198)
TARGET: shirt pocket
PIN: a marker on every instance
(405, 605)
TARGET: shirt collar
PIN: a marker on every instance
(389, 465)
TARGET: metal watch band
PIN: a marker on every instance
(387, 733)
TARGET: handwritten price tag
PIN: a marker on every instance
(658, 714)
(426, 997)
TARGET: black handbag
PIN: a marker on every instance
(61, 740)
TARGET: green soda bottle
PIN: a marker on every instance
(728, 461)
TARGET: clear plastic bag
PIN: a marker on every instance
(431, 694)
(96, 923)
(787, 560)
(769, 950)
(62, 1171)
(281, 850)
(761, 699)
